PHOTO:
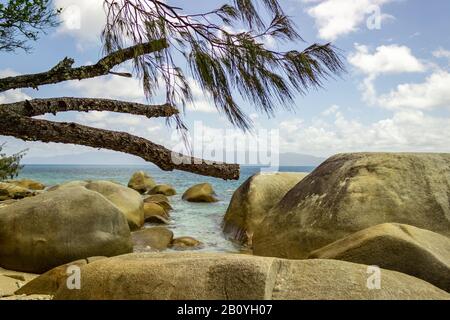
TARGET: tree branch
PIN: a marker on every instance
(37, 107)
(63, 71)
(29, 129)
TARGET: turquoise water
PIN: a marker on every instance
(201, 221)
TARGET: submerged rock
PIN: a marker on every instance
(57, 227)
(156, 238)
(351, 192)
(420, 253)
(163, 189)
(126, 199)
(253, 199)
(186, 243)
(200, 276)
(200, 193)
(141, 182)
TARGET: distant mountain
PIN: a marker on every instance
(88, 158)
(102, 157)
(297, 159)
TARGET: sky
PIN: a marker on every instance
(395, 95)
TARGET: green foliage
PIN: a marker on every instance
(223, 61)
(10, 165)
(23, 20)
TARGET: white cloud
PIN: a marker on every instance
(11, 96)
(389, 59)
(384, 60)
(432, 93)
(404, 131)
(112, 87)
(82, 19)
(335, 18)
(202, 100)
(442, 53)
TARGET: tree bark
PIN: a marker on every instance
(16, 118)
(29, 129)
(63, 71)
(37, 107)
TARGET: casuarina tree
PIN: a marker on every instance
(227, 54)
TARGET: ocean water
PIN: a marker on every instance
(199, 220)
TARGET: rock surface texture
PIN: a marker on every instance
(351, 192)
(222, 276)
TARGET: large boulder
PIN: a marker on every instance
(69, 184)
(9, 191)
(253, 199)
(53, 228)
(28, 184)
(141, 182)
(49, 282)
(351, 192)
(193, 276)
(164, 189)
(126, 199)
(156, 239)
(203, 192)
(421, 253)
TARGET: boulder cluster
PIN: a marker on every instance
(360, 226)
(45, 228)
(382, 209)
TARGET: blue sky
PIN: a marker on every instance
(394, 97)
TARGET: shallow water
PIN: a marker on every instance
(199, 220)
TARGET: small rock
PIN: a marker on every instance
(141, 182)
(8, 286)
(186, 243)
(153, 209)
(163, 189)
(157, 198)
(157, 220)
(9, 191)
(200, 193)
(156, 238)
(28, 184)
